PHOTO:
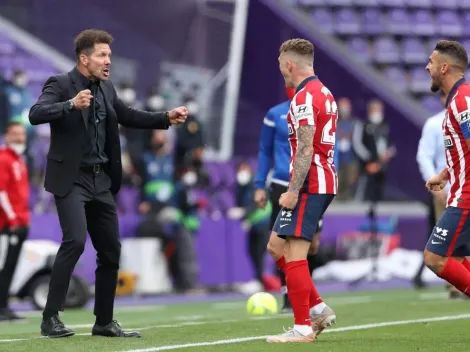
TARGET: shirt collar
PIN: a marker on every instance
(454, 89)
(304, 82)
(86, 82)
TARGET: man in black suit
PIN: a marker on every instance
(84, 171)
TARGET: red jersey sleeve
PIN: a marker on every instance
(460, 107)
(302, 109)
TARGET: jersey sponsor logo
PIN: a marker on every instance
(463, 116)
(290, 130)
(448, 142)
(303, 111)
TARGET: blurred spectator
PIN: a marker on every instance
(19, 99)
(371, 142)
(129, 172)
(190, 141)
(255, 221)
(347, 161)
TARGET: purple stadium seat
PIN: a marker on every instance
(360, 47)
(423, 23)
(392, 3)
(347, 22)
(311, 2)
(446, 4)
(397, 78)
(464, 4)
(398, 21)
(366, 3)
(414, 51)
(386, 51)
(448, 23)
(372, 22)
(420, 82)
(423, 4)
(466, 45)
(340, 2)
(324, 19)
(432, 43)
(431, 103)
(466, 21)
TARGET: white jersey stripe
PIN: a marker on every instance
(320, 174)
(309, 101)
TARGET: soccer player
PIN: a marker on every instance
(312, 186)
(275, 151)
(449, 242)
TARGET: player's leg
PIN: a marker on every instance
(256, 249)
(276, 244)
(298, 227)
(451, 233)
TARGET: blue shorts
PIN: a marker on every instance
(302, 221)
(451, 235)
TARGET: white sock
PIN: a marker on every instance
(318, 308)
(304, 329)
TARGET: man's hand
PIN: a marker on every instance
(289, 200)
(144, 207)
(372, 168)
(178, 116)
(82, 100)
(436, 183)
(261, 197)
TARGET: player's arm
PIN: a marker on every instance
(5, 178)
(265, 153)
(462, 104)
(306, 119)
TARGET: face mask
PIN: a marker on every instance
(190, 178)
(376, 117)
(243, 177)
(18, 148)
(193, 108)
(128, 95)
(20, 81)
(290, 93)
(156, 102)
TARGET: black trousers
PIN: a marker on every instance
(88, 207)
(258, 237)
(10, 249)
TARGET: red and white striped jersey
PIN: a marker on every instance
(314, 105)
(455, 128)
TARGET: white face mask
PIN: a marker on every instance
(156, 102)
(18, 148)
(20, 81)
(376, 117)
(190, 178)
(128, 95)
(243, 177)
(193, 108)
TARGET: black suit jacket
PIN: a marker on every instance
(68, 130)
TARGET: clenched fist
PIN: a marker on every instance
(82, 100)
(178, 115)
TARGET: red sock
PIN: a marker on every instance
(281, 263)
(314, 296)
(456, 274)
(466, 263)
(298, 288)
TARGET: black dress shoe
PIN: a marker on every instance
(113, 330)
(7, 315)
(53, 327)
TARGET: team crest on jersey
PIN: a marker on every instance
(448, 142)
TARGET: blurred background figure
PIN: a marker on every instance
(347, 161)
(255, 222)
(372, 145)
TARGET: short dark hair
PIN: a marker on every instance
(453, 49)
(86, 40)
(12, 124)
(299, 46)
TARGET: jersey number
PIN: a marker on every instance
(328, 137)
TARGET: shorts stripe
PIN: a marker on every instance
(300, 217)
(462, 221)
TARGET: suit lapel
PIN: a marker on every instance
(77, 83)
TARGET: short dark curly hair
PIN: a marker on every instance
(453, 49)
(86, 40)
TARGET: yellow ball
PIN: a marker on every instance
(261, 303)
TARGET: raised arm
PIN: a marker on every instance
(49, 106)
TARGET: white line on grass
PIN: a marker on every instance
(347, 328)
